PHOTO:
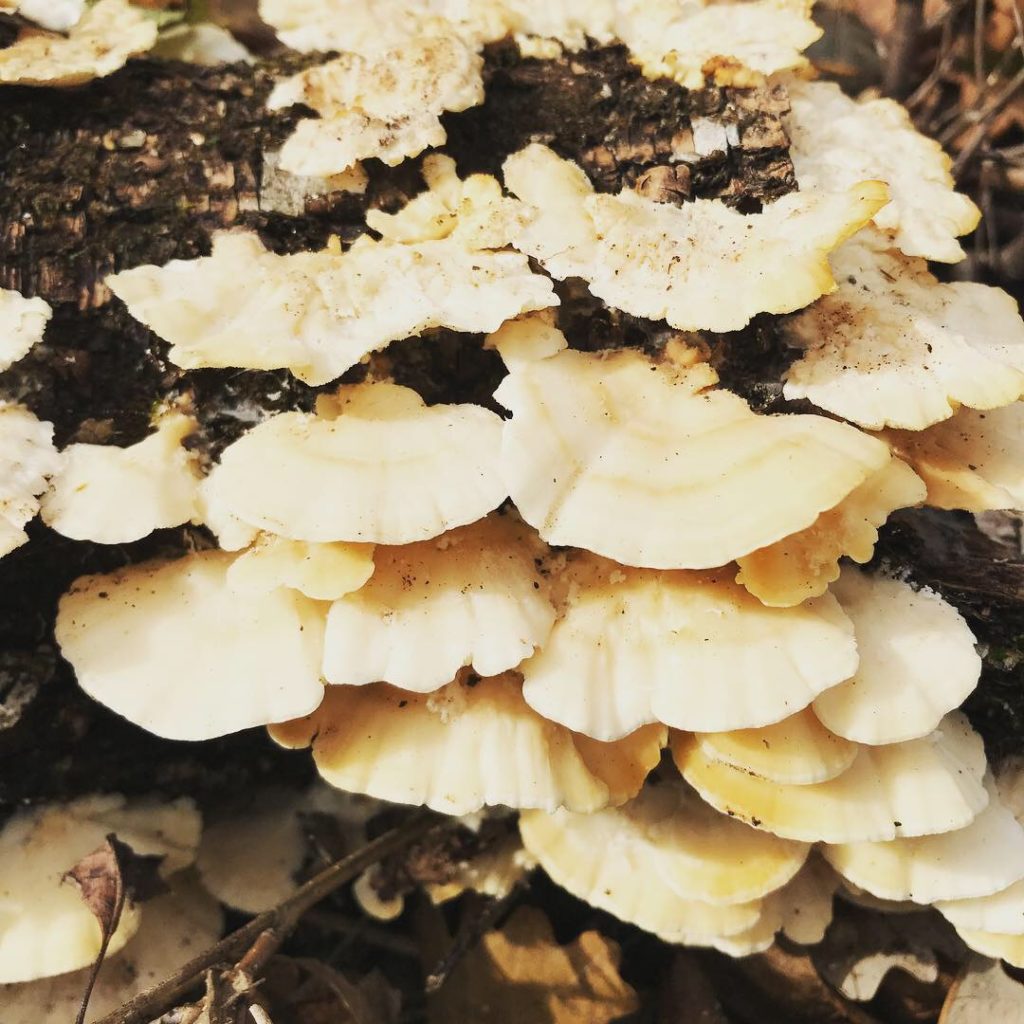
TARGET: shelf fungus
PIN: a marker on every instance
(22, 323)
(670, 865)
(46, 928)
(694, 651)
(473, 596)
(27, 460)
(174, 648)
(175, 927)
(52, 15)
(732, 43)
(114, 495)
(387, 106)
(472, 744)
(984, 857)
(836, 141)
(323, 572)
(98, 44)
(644, 463)
(319, 313)
(700, 266)
(917, 662)
(972, 461)
(894, 347)
(375, 464)
(921, 787)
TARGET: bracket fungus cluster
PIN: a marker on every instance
(610, 594)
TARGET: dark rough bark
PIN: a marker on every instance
(142, 168)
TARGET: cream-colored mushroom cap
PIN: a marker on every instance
(27, 458)
(527, 338)
(46, 928)
(175, 927)
(323, 572)
(473, 596)
(107, 34)
(495, 871)
(692, 650)
(1001, 912)
(173, 648)
(253, 849)
(922, 787)
(973, 461)
(319, 313)
(387, 106)
(735, 43)
(377, 466)
(371, 26)
(894, 347)
(697, 852)
(798, 751)
(1001, 947)
(802, 565)
(472, 211)
(836, 141)
(640, 462)
(22, 323)
(54, 15)
(114, 495)
(982, 858)
(594, 858)
(701, 266)
(917, 661)
(474, 743)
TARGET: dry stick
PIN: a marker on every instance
(977, 137)
(903, 47)
(258, 939)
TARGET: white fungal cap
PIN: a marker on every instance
(371, 26)
(175, 927)
(569, 23)
(1001, 947)
(694, 651)
(323, 572)
(252, 851)
(473, 211)
(701, 266)
(473, 596)
(836, 141)
(46, 928)
(53, 15)
(387, 469)
(894, 347)
(202, 43)
(917, 662)
(798, 751)
(1001, 912)
(803, 565)
(495, 871)
(526, 339)
(681, 842)
(102, 40)
(231, 533)
(610, 865)
(922, 787)
(470, 745)
(982, 858)
(114, 495)
(387, 106)
(971, 461)
(639, 462)
(22, 323)
(27, 458)
(736, 42)
(318, 314)
(173, 648)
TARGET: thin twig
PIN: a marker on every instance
(278, 922)
(108, 934)
(980, 131)
(903, 47)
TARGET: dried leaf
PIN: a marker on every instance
(107, 879)
(520, 973)
(983, 993)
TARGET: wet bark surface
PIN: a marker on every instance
(144, 166)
